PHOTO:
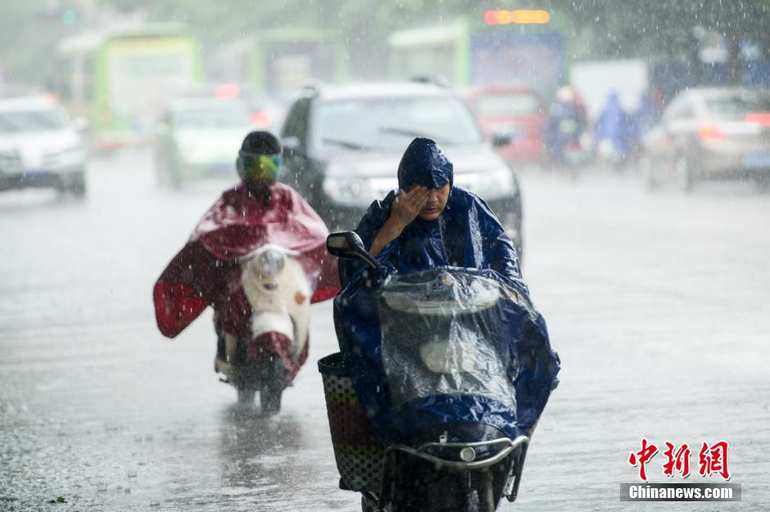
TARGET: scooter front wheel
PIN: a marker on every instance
(274, 382)
(246, 396)
(270, 398)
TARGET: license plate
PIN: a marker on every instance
(757, 160)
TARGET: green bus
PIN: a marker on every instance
(121, 79)
(522, 47)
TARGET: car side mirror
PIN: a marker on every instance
(347, 244)
(501, 139)
(291, 145)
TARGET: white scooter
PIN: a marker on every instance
(279, 292)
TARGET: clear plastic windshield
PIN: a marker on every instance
(443, 334)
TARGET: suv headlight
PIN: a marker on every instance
(348, 191)
(489, 185)
(499, 183)
(72, 156)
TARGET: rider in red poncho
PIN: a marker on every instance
(257, 211)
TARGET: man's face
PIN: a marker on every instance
(437, 199)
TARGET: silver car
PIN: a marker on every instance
(709, 133)
(40, 146)
(342, 146)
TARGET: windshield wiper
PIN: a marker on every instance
(347, 144)
(414, 133)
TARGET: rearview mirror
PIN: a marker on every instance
(501, 139)
(347, 244)
(291, 145)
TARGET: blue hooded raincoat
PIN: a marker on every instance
(468, 235)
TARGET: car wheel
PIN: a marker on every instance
(74, 185)
(246, 396)
(78, 186)
(683, 173)
(762, 182)
(174, 180)
(161, 171)
(167, 171)
(647, 172)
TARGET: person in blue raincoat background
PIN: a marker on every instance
(612, 130)
(431, 223)
(565, 125)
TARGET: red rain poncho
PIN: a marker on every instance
(207, 270)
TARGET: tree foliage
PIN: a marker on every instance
(643, 28)
(605, 28)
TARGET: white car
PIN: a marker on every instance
(199, 138)
(40, 146)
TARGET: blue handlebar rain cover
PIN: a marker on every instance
(447, 345)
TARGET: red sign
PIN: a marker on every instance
(712, 459)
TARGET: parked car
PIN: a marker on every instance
(199, 134)
(708, 133)
(343, 145)
(516, 112)
(40, 146)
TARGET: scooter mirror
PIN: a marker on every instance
(344, 244)
(347, 244)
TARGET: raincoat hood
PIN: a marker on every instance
(238, 223)
(424, 163)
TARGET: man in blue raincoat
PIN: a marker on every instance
(430, 223)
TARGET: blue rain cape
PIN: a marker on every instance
(613, 125)
(466, 235)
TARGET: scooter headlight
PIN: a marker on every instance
(468, 454)
(270, 263)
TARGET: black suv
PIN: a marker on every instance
(342, 147)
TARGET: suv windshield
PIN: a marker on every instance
(15, 121)
(389, 123)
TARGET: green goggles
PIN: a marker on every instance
(259, 167)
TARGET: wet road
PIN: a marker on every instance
(658, 304)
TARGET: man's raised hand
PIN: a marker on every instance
(405, 209)
(408, 205)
